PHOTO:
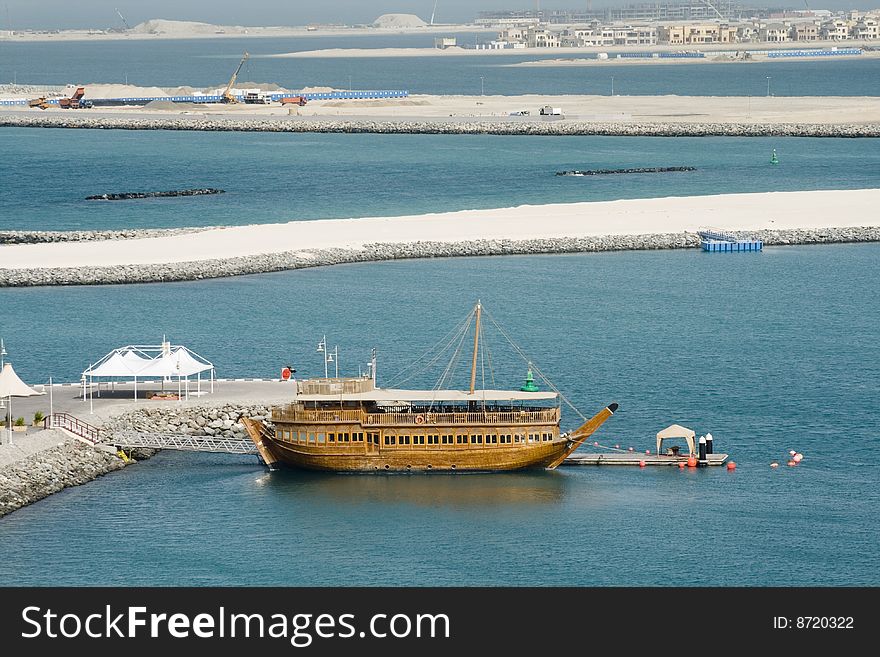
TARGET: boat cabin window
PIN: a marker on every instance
(278, 434)
(446, 440)
(311, 437)
(404, 440)
(321, 437)
(477, 439)
(461, 440)
(331, 437)
(547, 436)
(301, 437)
(491, 438)
(517, 438)
(433, 439)
(418, 440)
(343, 437)
(357, 437)
(390, 440)
(373, 438)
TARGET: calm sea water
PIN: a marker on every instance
(285, 177)
(210, 63)
(769, 352)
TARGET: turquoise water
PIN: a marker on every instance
(209, 62)
(769, 352)
(285, 177)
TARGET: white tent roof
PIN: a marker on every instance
(12, 386)
(134, 361)
(676, 431)
(389, 395)
(178, 363)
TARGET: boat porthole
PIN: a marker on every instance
(452, 466)
(387, 467)
(409, 467)
(375, 467)
(430, 466)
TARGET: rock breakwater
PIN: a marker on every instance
(270, 262)
(125, 196)
(70, 463)
(222, 420)
(49, 236)
(443, 126)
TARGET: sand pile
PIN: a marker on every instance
(121, 91)
(162, 26)
(396, 21)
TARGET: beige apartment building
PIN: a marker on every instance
(697, 33)
(805, 32)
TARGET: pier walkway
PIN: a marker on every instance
(184, 442)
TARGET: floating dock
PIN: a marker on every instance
(634, 458)
(716, 240)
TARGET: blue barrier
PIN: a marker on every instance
(671, 55)
(814, 53)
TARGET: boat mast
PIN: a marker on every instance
(476, 347)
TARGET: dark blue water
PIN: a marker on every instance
(285, 177)
(769, 352)
(210, 62)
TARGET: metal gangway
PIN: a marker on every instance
(128, 439)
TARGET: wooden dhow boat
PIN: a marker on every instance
(349, 424)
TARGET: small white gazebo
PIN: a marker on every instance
(676, 431)
(141, 362)
(12, 386)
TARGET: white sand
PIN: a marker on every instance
(777, 210)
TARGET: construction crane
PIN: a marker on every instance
(124, 22)
(227, 96)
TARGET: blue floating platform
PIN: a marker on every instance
(718, 241)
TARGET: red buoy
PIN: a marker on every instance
(797, 458)
(731, 465)
(681, 466)
(692, 461)
(642, 464)
(285, 373)
(792, 463)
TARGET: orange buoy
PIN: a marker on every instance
(774, 464)
(797, 458)
(681, 466)
(692, 461)
(642, 464)
(731, 466)
(792, 463)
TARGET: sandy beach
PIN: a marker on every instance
(825, 110)
(777, 210)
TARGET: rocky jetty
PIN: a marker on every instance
(608, 172)
(47, 236)
(451, 126)
(125, 196)
(71, 463)
(270, 262)
(222, 420)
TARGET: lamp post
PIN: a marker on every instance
(329, 356)
(481, 85)
(768, 86)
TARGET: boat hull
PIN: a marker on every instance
(487, 459)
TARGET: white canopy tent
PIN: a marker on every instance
(12, 386)
(165, 362)
(676, 431)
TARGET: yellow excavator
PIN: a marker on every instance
(227, 96)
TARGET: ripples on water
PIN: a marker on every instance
(769, 352)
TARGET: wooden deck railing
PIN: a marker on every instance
(416, 418)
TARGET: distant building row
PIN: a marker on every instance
(865, 27)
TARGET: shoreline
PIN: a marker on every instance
(383, 252)
(479, 125)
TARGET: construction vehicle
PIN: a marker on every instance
(75, 101)
(40, 102)
(293, 100)
(226, 96)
